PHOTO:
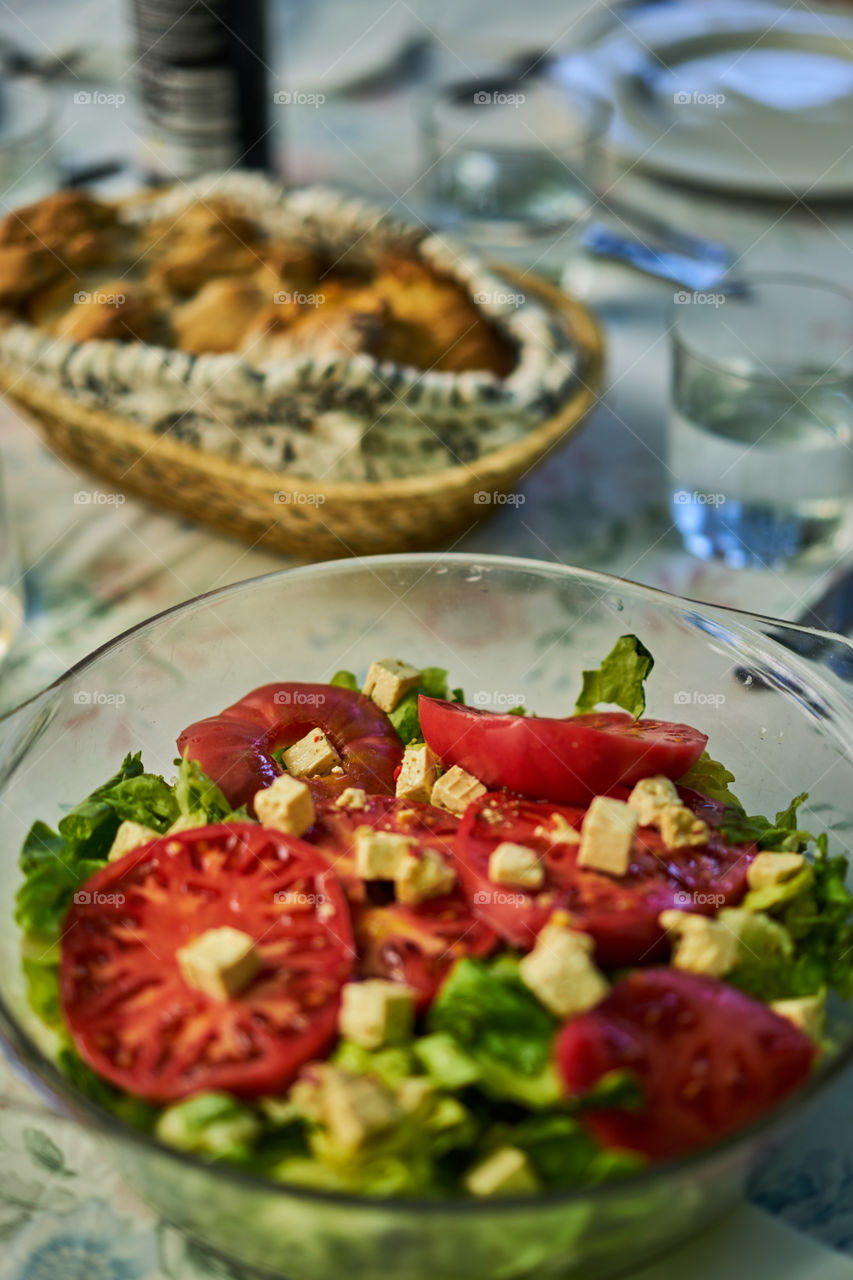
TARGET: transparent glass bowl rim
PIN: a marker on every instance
(48, 1081)
(680, 342)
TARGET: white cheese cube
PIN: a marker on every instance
(388, 680)
(560, 971)
(130, 835)
(768, 869)
(806, 1012)
(422, 875)
(351, 798)
(311, 757)
(649, 796)
(285, 805)
(220, 962)
(701, 945)
(376, 1012)
(455, 790)
(681, 829)
(187, 822)
(356, 1108)
(506, 1171)
(417, 774)
(380, 854)
(607, 836)
(558, 830)
(516, 865)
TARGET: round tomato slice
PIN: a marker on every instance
(133, 1017)
(568, 760)
(235, 748)
(412, 944)
(709, 1058)
(620, 913)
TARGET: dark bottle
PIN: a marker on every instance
(203, 82)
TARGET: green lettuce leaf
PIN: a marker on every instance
(55, 864)
(501, 1027)
(405, 717)
(345, 680)
(712, 779)
(782, 835)
(562, 1152)
(195, 793)
(815, 908)
(619, 679)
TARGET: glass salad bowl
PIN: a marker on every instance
(775, 701)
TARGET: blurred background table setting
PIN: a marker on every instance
(665, 190)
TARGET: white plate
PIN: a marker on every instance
(747, 95)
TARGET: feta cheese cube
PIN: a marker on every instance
(220, 962)
(417, 774)
(376, 1012)
(506, 1171)
(285, 805)
(355, 1109)
(560, 971)
(351, 798)
(681, 829)
(423, 874)
(516, 865)
(806, 1012)
(187, 822)
(607, 836)
(768, 869)
(380, 854)
(701, 945)
(130, 835)
(311, 757)
(455, 790)
(389, 680)
(649, 796)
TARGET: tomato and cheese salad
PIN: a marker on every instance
(373, 940)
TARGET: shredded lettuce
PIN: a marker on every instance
(619, 679)
(345, 680)
(782, 835)
(405, 717)
(55, 864)
(214, 1125)
(562, 1152)
(500, 1027)
(712, 779)
(195, 793)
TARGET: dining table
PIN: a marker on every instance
(92, 560)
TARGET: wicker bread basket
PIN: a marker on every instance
(312, 520)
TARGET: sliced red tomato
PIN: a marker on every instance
(569, 760)
(235, 748)
(709, 1058)
(412, 944)
(132, 1016)
(620, 913)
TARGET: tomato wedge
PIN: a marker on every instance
(621, 914)
(136, 1021)
(412, 944)
(710, 1059)
(569, 760)
(235, 748)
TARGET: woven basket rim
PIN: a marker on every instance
(490, 467)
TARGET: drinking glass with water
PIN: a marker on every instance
(760, 448)
(507, 161)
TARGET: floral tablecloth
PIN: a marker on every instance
(94, 562)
